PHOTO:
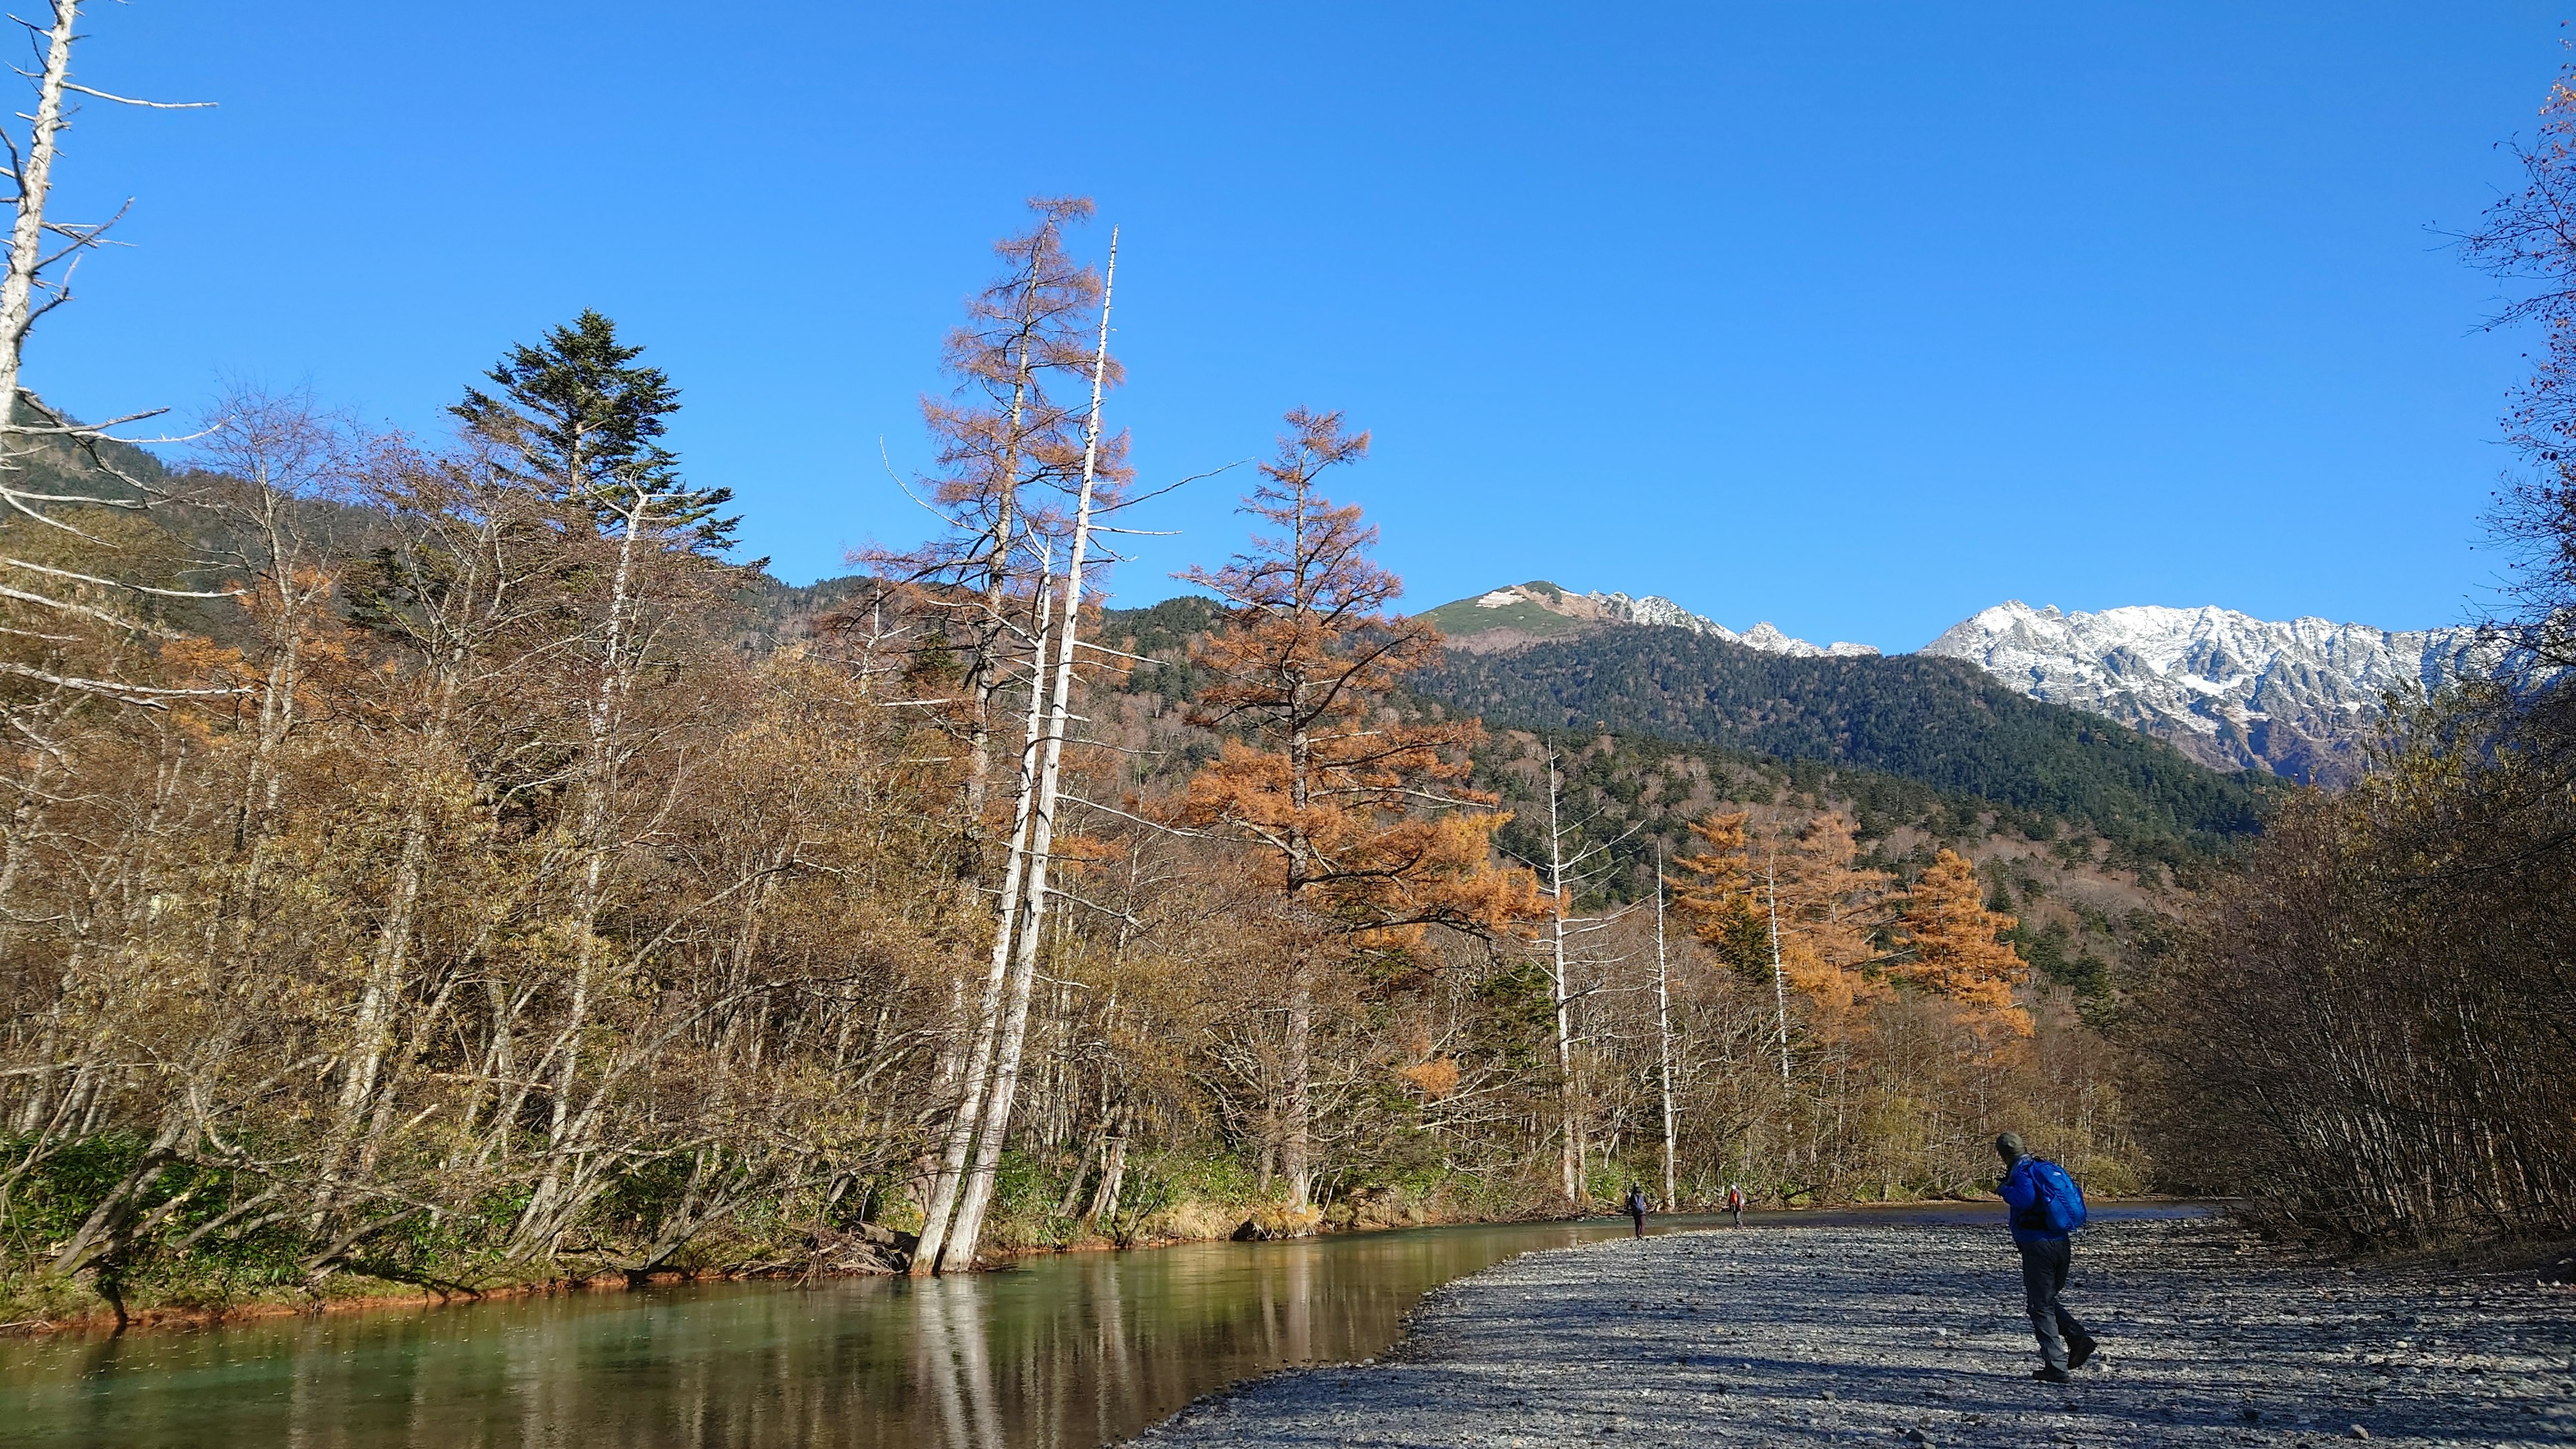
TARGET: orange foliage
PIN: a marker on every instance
(1955, 950)
(1361, 817)
(1828, 911)
(1436, 1078)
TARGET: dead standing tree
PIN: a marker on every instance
(43, 253)
(1032, 861)
(71, 633)
(1023, 334)
(1574, 866)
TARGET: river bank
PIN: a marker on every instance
(1913, 1334)
(870, 1252)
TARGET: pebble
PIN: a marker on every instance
(2194, 1315)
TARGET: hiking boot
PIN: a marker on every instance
(2052, 1375)
(2077, 1353)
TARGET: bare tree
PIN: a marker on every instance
(1041, 821)
(51, 467)
(1574, 866)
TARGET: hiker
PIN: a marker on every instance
(1735, 1201)
(1637, 1207)
(2045, 1208)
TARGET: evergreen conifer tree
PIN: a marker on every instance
(584, 424)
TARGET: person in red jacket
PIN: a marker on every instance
(2046, 1253)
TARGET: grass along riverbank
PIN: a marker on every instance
(1913, 1334)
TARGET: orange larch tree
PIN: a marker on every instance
(1365, 831)
(1953, 946)
(1789, 903)
(1830, 912)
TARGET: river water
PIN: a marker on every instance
(1068, 1352)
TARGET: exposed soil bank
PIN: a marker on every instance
(1913, 1334)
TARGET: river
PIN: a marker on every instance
(1066, 1352)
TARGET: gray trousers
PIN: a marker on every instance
(2043, 1277)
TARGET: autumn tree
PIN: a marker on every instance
(1787, 904)
(1360, 818)
(1012, 422)
(578, 421)
(1954, 946)
(2524, 238)
(1022, 917)
(1014, 441)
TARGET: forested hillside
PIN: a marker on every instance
(438, 862)
(1938, 721)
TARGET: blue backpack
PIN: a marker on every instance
(2059, 1207)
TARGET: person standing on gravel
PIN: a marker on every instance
(2046, 1208)
(1637, 1207)
(1735, 1201)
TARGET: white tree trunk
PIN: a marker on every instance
(1571, 1145)
(539, 1224)
(35, 183)
(988, 1020)
(996, 1127)
(1664, 1039)
(1779, 979)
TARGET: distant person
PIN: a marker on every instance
(1637, 1206)
(1735, 1201)
(2045, 1209)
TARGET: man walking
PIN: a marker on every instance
(1735, 1201)
(2046, 1207)
(1637, 1207)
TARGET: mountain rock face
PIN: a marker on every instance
(2299, 698)
(1507, 618)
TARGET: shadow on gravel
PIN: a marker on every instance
(1911, 1333)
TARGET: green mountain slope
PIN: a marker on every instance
(1938, 721)
(1548, 612)
(1937, 724)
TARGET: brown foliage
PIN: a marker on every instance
(2370, 1034)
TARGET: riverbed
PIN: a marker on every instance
(1073, 1351)
(1912, 1335)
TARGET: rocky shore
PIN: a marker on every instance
(1913, 1335)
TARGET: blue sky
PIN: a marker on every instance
(1855, 318)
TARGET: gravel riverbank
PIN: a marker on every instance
(1906, 1335)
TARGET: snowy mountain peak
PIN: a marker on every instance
(1505, 618)
(2297, 696)
(1765, 636)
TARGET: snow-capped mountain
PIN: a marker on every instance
(2299, 698)
(1507, 617)
(1655, 609)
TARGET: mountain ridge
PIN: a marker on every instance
(2300, 698)
(1502, 618)
(1944, 722)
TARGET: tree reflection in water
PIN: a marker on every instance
(1064, 1352)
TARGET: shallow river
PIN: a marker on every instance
(1074, 1350)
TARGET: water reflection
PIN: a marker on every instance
(1072, 1351)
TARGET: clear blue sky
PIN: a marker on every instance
(1855, 318)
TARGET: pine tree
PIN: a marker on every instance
(578, 420)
